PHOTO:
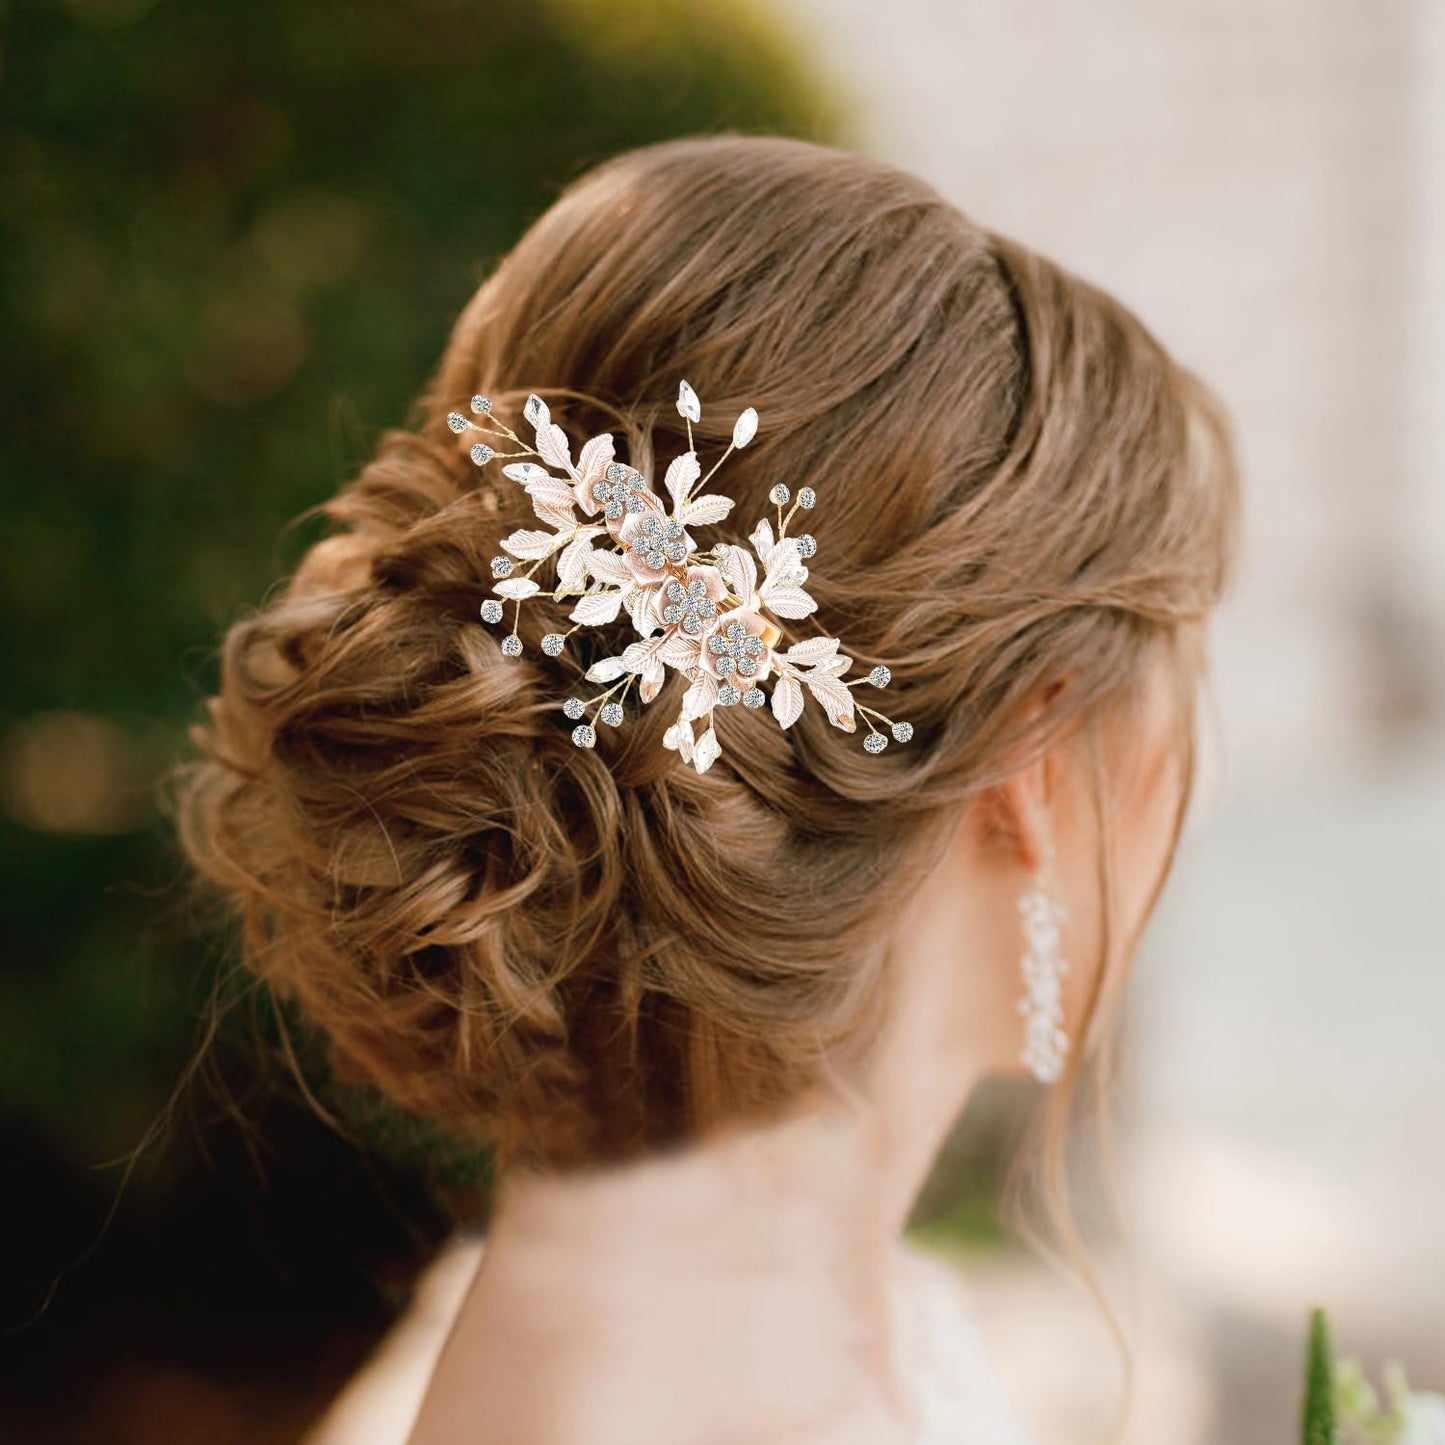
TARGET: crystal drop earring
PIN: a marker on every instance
(1042, 1004)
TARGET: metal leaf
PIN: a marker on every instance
(530, 545)
(593, 459)
(596, 608)
(704, 511)
(836, 699)
(812, 649)
(552, 446)
(681, 474)
(790, 601)
(787, 701)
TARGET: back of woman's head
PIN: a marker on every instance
(582, 954)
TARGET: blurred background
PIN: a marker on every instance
(232, 240)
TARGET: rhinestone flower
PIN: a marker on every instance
(688, 604)
(736, 649)
(621, 490)
(659, 540)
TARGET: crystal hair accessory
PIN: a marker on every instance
(704, 614)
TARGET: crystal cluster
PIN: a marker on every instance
(617, 545)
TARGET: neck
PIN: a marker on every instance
(737, 1290)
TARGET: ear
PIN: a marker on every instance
(1018, 813)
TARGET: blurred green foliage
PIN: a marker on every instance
(233, 237)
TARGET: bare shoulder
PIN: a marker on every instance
(380, 1402)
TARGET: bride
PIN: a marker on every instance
(716, 1018)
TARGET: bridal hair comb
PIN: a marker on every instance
(702, 613)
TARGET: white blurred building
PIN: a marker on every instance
(1264, 183)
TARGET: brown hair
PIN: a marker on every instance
(581, 955)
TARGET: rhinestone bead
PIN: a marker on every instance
(482, 454)
(616, 472)
(501, 566)
(902, 732)
(611, 714)
(807, 499)
(728, 695)
(512, 646)
(584, 735)
(574, 707)
(874, 743)
(457, 421)
(535, 410)
(491, 610)
(754, 697)
(807, 544)
(880, 676)
(553, 643)
(780, 495)
(482, 405)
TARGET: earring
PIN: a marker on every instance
(1042, 1005)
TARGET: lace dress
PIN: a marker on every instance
(960, 1399)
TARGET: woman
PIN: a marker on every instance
(718, 1022)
